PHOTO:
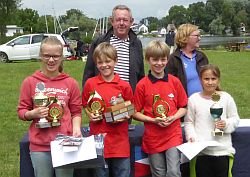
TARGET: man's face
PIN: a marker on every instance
(121, 23)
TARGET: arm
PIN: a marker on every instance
(89, 70)
(75, 109)
(233, 119)
(189, 121)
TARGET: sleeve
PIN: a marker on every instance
(128, 93)
(181, 95)
(233, 118)
(89, 70)
(85, 94)
(139, 98)
(171, 69)
(189, 121)
(75, 101)
(141, 63)
(25, 99)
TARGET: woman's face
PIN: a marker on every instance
(51, 58)
(193, 40)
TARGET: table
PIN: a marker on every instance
(237, 46)
(240, 138)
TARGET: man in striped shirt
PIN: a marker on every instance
(130, 66)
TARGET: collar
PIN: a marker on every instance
(122, 40)
(153, 79)
(101, 80)
(194, 53)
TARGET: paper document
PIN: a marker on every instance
(190, 150)
(86, 151)
(244, 123)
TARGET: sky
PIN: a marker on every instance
(100, 8)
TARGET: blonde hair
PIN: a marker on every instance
(103, 51)
(52, 40)
(156, 49)
(215, 70)
(183, 33)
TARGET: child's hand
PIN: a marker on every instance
(160, 121)
(94, 118)
(37, 113)
(221, 124)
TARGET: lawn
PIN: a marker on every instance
(235, 80)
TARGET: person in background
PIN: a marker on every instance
(130, 66)
(79, 48)
(170, 38)
(109, 86)
(50, 78)
(162, 132)
(212, 161)
(186, 61)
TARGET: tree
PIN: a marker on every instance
(197, 14)
(216, 26)
(7, 8)
(27, 18)
(178, 15)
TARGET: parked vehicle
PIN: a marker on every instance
(27, 47)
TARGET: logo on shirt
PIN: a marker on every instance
(171, 96)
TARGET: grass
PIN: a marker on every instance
(235, 80)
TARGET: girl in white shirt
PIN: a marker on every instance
(199, 125)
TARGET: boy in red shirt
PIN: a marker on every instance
(109, 86)
(163, 101)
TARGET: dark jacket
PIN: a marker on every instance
(176, 68)
(136, 64)
(170, 38)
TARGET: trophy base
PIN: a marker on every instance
(217, 133)
(55, 124)
(43, 125)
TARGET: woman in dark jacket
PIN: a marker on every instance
(186, 61)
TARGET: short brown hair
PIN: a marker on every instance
(103, 51)
(183, 33)
(156, 49)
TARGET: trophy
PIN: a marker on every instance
(96, 104)
(118, 110)
(40, 100)
(160, 107)
(216, 111)
(55, 111)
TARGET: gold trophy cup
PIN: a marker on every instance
(160, 107)
(96, 105)
(216, 111)
(41, 100)
(55, 111)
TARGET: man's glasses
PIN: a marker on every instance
(55, 57)
(195, 35)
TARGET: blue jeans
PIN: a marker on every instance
(42, 164)
(115, 167)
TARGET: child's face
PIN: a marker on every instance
(209, 82)
(157, 66)
(106, 67)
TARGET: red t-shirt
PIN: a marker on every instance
(116, 142)
(155, 138)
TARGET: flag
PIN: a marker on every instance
(142, 168)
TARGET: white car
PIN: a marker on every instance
(27, 47)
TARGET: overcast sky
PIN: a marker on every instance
(99, 8)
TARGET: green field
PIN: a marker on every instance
(235, 80)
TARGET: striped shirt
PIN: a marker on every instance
(122, 48)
